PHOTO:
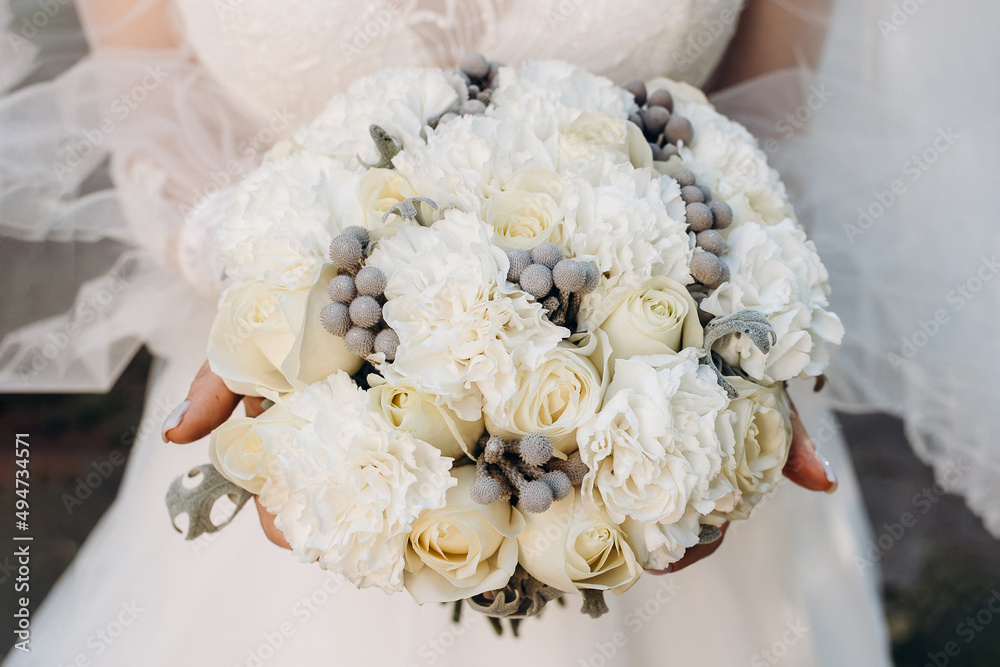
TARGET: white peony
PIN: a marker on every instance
(345, 486)
(776, 270)
(463, 329)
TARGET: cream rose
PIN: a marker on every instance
(527, 211)
(462, 549)
(378, 191)
(591, 133)
(553, 398)
(661, 317)
(572, 546)
(266, 337)
(762, 434)
(238, 451)
(424, 418)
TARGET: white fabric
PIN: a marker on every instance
(892, 176)
(785, 583)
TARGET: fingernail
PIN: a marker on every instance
(173, 419)
(831, 476)
(670, 568)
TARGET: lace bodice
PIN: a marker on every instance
(292, 56)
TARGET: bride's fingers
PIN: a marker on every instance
(209, 403)
(694, 554)
(805, 466)
(253, 405)
(267, 523)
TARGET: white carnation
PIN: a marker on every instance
(345, 486)
(400, 101)
(284, 215)
(652, 450)
(777, 271)
(463, 329)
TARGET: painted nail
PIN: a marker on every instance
(831, 476)
(173, 419)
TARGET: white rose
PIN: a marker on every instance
(552, 399)
(659, 318)
(345, 486)
(762, 436)
(378, 191)
(462, 549)
(573, 546)
(237, 448)
(252, 334)
(652, 450)
(527, 211)
(592, 133)
(267, 337)
(424, 417)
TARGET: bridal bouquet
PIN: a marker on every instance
(522, 332)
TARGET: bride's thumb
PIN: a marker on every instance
(209, 403)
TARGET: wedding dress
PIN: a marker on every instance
(789, 586)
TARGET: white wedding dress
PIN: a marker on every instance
(790, 585)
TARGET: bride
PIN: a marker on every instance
(185, 96)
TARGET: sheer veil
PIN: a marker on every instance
(889, 158)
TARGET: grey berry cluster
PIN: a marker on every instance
(556, 282)
(358, 294)
(524, 472)
(480, 77)
(663, 129)
(705, 216)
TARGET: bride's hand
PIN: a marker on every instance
(210, 402)
(804, 467)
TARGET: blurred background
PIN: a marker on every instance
(937, 569)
